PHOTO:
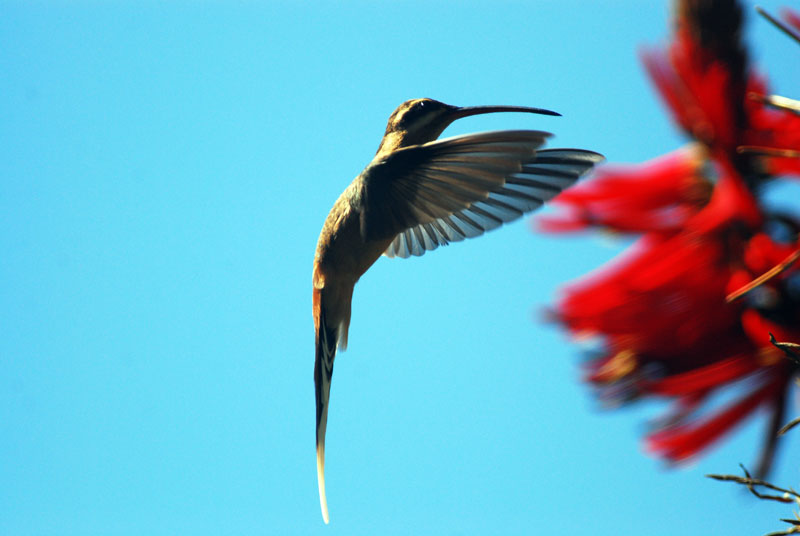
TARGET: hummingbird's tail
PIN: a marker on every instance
(327, 339)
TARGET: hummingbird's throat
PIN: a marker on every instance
(406, 138)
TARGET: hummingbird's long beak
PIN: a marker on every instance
(466, 111)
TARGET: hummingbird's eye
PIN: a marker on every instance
(415, 112)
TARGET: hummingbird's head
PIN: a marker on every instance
(418, 121)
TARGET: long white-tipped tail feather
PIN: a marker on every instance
(327, 339)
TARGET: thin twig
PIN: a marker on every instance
(778, 24)
(750, 482)
(791, 349)
(788, 426)
(768, 151)
(790, 530)
(776, 101)
(776, 270)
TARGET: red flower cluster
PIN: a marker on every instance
(660, 310)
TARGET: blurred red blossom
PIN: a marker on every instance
(702, 233)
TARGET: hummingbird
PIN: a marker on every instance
(419, 193)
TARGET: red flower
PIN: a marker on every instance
(660, 310)
(793, 18)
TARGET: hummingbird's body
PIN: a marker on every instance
(417, 194)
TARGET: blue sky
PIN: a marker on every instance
(165, 171)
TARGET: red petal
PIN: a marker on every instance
(681, 442)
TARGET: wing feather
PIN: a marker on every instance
(429, 195)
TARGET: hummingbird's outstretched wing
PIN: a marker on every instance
(447, 190)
